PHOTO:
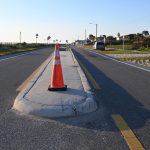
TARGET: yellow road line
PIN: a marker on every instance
(90, 77)
(129, 136)
(24, 84)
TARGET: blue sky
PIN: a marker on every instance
(67, 19)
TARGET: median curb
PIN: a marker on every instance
(81, 106)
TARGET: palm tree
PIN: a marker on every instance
(118, 35)
(37, 35)
(48, 38)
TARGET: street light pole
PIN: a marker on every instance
(20, 37)
(85, 34)
(123, 42)
(96, 29)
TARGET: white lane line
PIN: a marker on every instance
(11, 57)
(121, 61)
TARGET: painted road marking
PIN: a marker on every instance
(19, 55)
(120, 61)
(130, 138)
(24, 84)
(128, 135)
(90, 77)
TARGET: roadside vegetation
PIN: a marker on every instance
(9, 48)
(128, 49)
(134, 48)
(117, 49)
(147, 58)
(122, 52)
(138, 43)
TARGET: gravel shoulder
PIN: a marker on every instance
(140, 59)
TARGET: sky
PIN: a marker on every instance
(68, 19)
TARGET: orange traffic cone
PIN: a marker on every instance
(57, 81)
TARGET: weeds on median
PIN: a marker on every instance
(135, 58)
(121, 52)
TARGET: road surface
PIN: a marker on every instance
(119, 89)
(124, 90)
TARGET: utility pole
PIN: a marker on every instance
(123, 42)
(96, 29)
(85, 37)
(20, 37)
(85, 34)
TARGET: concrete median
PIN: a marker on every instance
(35, 99)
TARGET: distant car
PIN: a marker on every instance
(99, 45)
(62, 48)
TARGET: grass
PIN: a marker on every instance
(128, 49)
(119, 47)
(118, 51)
(121, 52)
(88, 46)
(135, 58)
(10, 48)
(14, 51)
(145, 49)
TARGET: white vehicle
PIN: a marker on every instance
(99, 45)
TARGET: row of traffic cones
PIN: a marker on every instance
(57, 80)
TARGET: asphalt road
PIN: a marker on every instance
(14, 69)
(123, 90)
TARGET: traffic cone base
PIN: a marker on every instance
(57, 89)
